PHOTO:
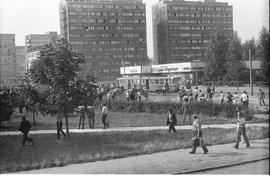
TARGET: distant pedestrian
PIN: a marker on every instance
(25, 126)
(186, 108)
(244, 99)
(229, 97)
(139, 94)
(197, 136)
(104, 114)
(208, 93)
(59, 126)
(235, 99)
(91, 116)
(164, 90)
(196, 93)
(261, 97)
(127, 95)
(241, 129)
(171, 120)
(82, 111)
(221, 97)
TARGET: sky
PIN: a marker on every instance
(23, 17)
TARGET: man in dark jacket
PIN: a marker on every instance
(24, 128)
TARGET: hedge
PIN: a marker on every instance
(204, 108)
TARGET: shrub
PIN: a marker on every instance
(204, 108)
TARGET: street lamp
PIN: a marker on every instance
(196, 61)
(141, 40)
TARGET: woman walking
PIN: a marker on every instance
(197, 136)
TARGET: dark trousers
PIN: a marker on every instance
(81, 122)
(171, 127)
(241, 131)
(262, 102)
(105, 124)
(26, 138)
(60, 130)
(91, 122)
(196, 141)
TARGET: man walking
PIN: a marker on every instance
(197, 136)
(59, 126)
(104, 113)
(241, 129)
(171, 120)
(261, 97)
(24, 128)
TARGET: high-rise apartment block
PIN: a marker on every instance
(21, 61)
(182, 29)
(110, 33)
(7, 60)
(34, 43)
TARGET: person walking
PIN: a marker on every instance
(171, 120)
(229, 97)
(104, 113)
(241, 129)
(261, 96)
(127, 95)
(163, 90)
(221, 97)
(25, 126)
(59, 126)
(197, 136)
(82, 111)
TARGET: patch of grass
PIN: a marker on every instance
(49, 152)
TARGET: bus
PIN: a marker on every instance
(152, 83)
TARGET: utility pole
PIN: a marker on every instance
(237, 76)
(250, 71)
(196, 73)
(141, 65)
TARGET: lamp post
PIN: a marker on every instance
(141, 40)
(196, 72)
(250, 71)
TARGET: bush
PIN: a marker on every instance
(204, 108)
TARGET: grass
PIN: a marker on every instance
(49, 152)
(115, 119)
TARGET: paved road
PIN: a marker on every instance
(171, 162)
(224, 126)
(257, 167)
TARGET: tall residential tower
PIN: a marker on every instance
(182, 29)
(110, 34)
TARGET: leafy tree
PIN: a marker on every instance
(57, 68)
(263, 49)
(216, 57)
(235, 65)
(5, 105)
(249, 45)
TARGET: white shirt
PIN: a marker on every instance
(244, 97)
(104, 110)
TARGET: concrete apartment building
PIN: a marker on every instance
(20, 61)
(34, 43)
(7, 60)
(182, 29)
(110, 34)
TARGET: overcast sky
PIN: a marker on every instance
(22, 17)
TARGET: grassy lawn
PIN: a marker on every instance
(115, 119)
(49, 152)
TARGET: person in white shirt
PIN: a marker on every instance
(235, 98)
(127, 95)
(197, 136)
(221, 97)
(244, 99)
(104, 113)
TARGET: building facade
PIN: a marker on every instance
(109, 33)
(34, 42)
(7, 60)
(21, 62)
(182, 29)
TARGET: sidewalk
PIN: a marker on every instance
(187, 127)
(171, 162)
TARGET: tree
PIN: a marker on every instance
(57, 67)
(216, 57)
(5, 105)
(263, 50)
(235, 65)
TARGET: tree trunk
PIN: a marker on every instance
(67, 128)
